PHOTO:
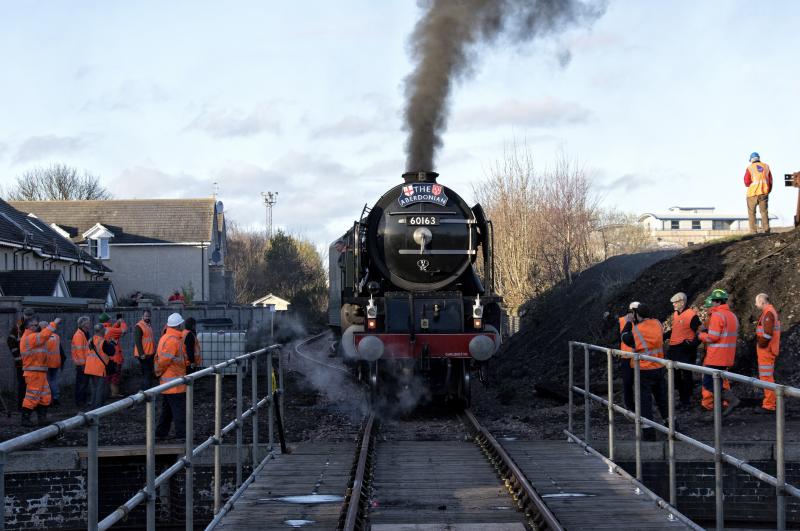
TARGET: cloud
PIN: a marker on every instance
(543, 113)
(3, 149)
(349, 126)
(129, 95)
(37, 147)
(627, 183)
(233, 123)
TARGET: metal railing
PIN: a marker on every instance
(91, 421)
(781, 392)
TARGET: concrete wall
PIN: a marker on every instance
(249, 318)
(159, 269)
(682, 238)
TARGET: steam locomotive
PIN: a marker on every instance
(406, 296)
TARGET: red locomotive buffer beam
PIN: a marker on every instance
(439, 345)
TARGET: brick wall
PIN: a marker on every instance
(747, 500)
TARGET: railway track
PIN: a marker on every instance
(454, 473)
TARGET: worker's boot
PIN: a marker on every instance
(115, 391)
(41, 412)
(26, 417)
(732, 399)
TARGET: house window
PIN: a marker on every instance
(722, 224)
(98, 248)
(674, 224)
(695, 224)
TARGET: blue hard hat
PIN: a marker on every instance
(754, 156)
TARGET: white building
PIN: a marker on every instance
(684, 226)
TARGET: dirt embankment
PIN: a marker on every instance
(587, 310)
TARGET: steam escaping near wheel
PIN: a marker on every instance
(445, 45)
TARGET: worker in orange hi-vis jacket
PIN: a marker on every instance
(768, 345)
(720, 341)
(33, 349)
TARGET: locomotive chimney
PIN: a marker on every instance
(420, 177)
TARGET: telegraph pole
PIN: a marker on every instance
(270, 198)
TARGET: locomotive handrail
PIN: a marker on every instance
(781, 392)
(91, 421)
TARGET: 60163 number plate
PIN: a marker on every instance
(422, 220)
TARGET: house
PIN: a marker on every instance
(279, 304)
(29, 244)
(152, 245)
(684, 226)
(94, 289)
(46, 283)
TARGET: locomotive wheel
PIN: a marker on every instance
(372, 382)
(464, 388)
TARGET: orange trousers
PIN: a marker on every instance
(766, 373)
(37, 390)
(707, 389)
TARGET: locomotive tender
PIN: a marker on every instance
(405, 294)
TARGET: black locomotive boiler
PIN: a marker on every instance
(406, 295)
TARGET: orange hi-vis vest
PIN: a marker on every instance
(198, 359)
(774, 338)
(33, 349)
(622, 345)
(96, 360)
(681, 327)
(148, 341)
(80, 348)
(114, 333)
(53, 351)
(649, 337)
(723, 329)
(170, 361)
(758, 179)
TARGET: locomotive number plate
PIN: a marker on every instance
(422, 220)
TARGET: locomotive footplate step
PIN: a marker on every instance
(302, 489)
(580, 491)
(508, 526)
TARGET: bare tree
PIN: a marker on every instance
(57, 182)
(619, 233)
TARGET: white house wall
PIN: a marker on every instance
(159, 269)
(29, 261)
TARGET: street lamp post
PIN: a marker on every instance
(270, 198)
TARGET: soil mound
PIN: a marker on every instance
(587, 309)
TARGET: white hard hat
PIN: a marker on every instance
(634, 305)
(174, 320)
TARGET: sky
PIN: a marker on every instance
(660, 102)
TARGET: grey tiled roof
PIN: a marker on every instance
(29, 282)
(131, 220)
(89, 289)
(19, 228)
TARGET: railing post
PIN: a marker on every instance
(571, 384)
(587, 402)
(92, 499)
(780, 464)
(3, 490)
(610, 379)
(637, 407)
(720, 515)
(270, 410)
(673, 493)
(239, 426)
(189, 486)
(253, 402)
(217, 441)
(150, 464)
(280, 385)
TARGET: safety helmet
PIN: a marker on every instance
(103, 317)
(634, 305)
(174, 320)
(754, 156)
(707, 302)
(719, 295)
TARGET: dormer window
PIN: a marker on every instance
(97, 239)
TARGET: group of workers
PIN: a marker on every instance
(684, 331)
(97, 355)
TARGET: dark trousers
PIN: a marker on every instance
(21, 386)
(627, 382)
(148, 375)
(81, 386)
(684, 380)
(653, 386)
(173, 408)
(97, 391)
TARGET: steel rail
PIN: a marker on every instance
(311, 339)
(355, 506)
(526, 493)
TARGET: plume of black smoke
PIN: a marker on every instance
(444, 48)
